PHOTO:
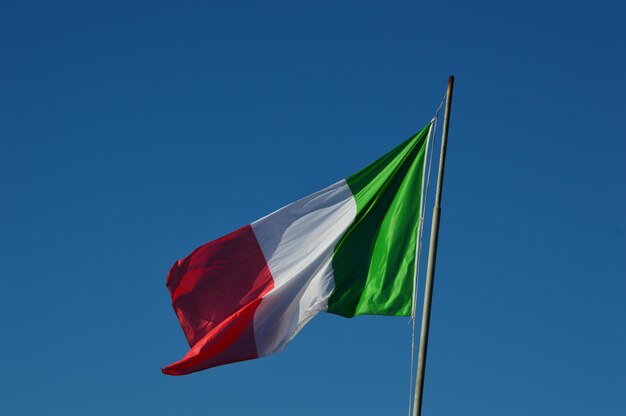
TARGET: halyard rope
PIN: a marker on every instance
(418, 254)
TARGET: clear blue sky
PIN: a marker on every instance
(132, 132)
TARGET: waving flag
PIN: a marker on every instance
(349, 249)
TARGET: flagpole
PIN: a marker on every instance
(432, 257)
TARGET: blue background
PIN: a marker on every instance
(132, 132)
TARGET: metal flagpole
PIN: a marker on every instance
(432, 257)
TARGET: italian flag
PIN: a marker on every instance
(349, 249)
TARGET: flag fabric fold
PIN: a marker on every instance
(348, 249)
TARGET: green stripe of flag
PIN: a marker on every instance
(374, 261)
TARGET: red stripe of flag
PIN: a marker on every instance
(215, 292)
